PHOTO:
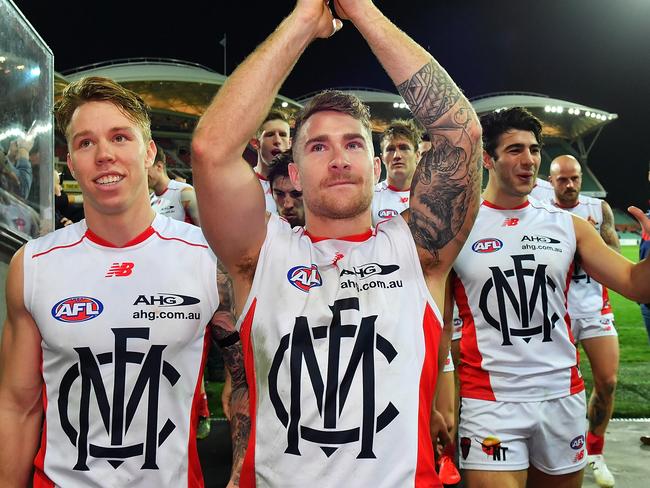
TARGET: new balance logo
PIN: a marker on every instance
(510, 222)
(120, 269)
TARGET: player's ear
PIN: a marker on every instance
(255, 143)
(150, 154)
(68, 161)
(294, 176)
(488, 161)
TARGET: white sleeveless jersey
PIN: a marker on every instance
(341, 342)
(387, 202)
(169, 203)
(271, 207)
(543, 191)
(510, 287)
(122, 350)
(587, 297)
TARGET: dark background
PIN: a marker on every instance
(593, 52)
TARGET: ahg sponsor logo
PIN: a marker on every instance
(366, 270)
(166, 300)
(77, 309)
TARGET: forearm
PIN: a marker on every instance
(447, 180)
(240, 421)
(241, 104)
(20, 434)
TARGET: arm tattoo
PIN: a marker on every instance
(447, 179)
(607, 229)
(222, 326)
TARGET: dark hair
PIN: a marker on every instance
(274, 114)
(280, 166)
(336, 101)
(160, 155)
(97, 89)
(404, 129)
(516, 118)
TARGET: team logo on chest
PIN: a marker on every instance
(77, 309)
(532, 287)
(119, 412)
(305, 278)
(330, 393)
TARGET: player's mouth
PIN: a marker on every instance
(109, 180)
(275, 152)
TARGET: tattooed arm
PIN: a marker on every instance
(445, 190)
(224, 334)
(607, 229)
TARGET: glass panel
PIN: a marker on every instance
(26, 128)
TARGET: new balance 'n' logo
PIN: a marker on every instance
(510, 222)
(120, 269)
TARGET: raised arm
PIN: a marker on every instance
(236, 231)
(21, 383)
(446, 185)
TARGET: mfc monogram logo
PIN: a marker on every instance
(118, 412)
(525, 300)
(330, 395)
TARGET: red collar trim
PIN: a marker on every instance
(148, 232)
(496, 207)
(364, 236)
(393, 188)
(163, 192)
(261, 177)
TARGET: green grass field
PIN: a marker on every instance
(633, 392)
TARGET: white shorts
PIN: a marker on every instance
(508, 436)
(594, 326)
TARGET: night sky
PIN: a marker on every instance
(594, 52)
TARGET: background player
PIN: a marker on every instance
(169, 197)
(272, 137)
(523, 407)
(592, 320)
(400, 154)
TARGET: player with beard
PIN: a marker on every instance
(522, 397)
(340, 322)
(592, 320)
(272, 138)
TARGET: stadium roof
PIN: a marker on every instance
(562, 119)
(169, 85)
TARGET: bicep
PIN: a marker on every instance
(20, 352)
(233, 211)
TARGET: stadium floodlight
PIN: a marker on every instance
(395, 105)
(284, 104)
(577, 111)
(587, 114)
(547, 109)
(560, 110)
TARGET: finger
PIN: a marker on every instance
(444, 437)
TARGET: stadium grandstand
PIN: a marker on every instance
(179, 91)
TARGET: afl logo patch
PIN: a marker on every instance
(305, 278)
(578, 442)
(487, 245)
(387, 213)
(77, 309)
